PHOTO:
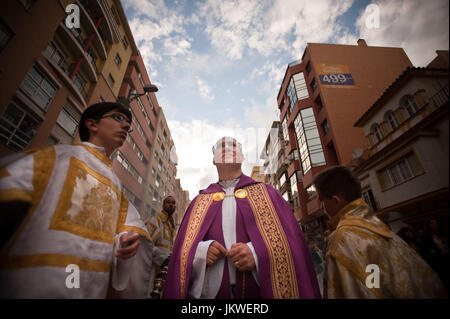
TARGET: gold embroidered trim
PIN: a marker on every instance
(282, 270)
(87, 226)
(43, 164)
(195, 222)
(102, 157)
(381, 230)
(9, 195)
(4, 173)
(54, 260)
(355, 270)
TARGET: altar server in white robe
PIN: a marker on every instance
(68, 231)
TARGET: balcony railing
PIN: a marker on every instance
(441, 97)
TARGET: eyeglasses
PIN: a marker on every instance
(120, 118)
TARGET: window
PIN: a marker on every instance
(392, 119)
(311, 152)
(124, 42)
(402, 170)
(79, 82)
(130, 168)
(369, 199)
(135, 147)
(54, 53)
(311, 192)
(285, 129)
(308, 67)
(141, 79)
(38, 88)
(376, 131)
(17, 127)
(151, 105)
(111, 80)
(69, 118)
(297, 89)
(286, 196)
(409, 104)
(118, 60)
(153, 171)
(325, 126)
(313, 85)
(294, 190)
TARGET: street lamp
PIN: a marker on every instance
(132, 95)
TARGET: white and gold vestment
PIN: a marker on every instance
(365, 259)
(77, 213)
(161, 228)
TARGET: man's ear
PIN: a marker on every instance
(91, 125)
(337, 200)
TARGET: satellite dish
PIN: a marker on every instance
(357, 153)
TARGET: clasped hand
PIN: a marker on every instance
(129, 246)
(240, 254)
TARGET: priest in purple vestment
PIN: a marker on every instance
(239, 239)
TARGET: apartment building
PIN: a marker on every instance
(320, 98)
(404, 170)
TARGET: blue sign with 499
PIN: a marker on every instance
(336, 79)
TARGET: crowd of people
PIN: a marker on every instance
(63, 209)
(430, 242)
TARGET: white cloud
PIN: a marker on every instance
(419, 27)
(194, 141)
(268, 27)
(204, 90)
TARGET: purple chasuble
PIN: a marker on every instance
(285, 267)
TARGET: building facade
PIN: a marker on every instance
(51, 70)
(404, 171)
(321, 97)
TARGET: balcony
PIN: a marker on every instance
(88, 22)
(75, 47)
(95, 10)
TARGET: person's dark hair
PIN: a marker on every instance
(340, 181)
(96, 111)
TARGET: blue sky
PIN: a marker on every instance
(219, 63)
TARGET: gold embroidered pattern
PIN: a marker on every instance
(355, 270)
(4, 173)
(55, 260)
(196, 219)
(7, 195)
(88, 204)
(241, 193)
(282, 270)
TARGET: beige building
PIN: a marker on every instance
(258, 173)
(51, 71)
(404, 171)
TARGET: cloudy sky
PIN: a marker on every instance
(219, 63)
